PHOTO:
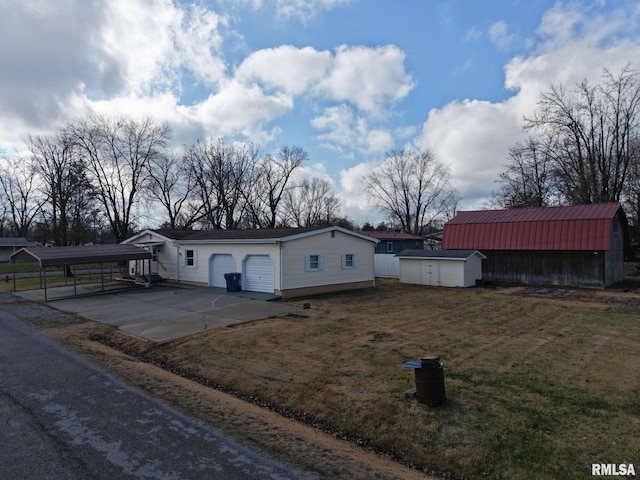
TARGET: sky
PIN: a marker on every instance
(347, 80)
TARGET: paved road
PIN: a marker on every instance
(62, 418)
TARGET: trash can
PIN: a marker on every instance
(429, 376)
(233, 281)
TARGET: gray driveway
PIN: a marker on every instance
(64, 419)
(165, 313)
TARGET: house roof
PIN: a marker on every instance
(14, 242)
(391, 235)
(439, 254)
(244, 235)
(59, 256)
(580, 227)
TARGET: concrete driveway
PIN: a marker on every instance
(165, 313)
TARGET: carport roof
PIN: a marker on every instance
(59, 256)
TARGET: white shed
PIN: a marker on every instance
(441, 268)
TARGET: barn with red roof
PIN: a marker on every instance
(581, 245)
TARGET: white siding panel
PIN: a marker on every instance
(219, 264)
(331, 249)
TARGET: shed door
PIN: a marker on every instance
(258, 274)
(219, 264)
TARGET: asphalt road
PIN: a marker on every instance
(62, 418)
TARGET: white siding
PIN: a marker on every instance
(331, 249)
(239, 251)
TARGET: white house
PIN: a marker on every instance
(284, 261)
(441, 268)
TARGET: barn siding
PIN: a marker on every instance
(570, 268)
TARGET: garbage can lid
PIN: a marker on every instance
(430, 361)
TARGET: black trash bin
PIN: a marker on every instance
(429, 377)
(233, 281)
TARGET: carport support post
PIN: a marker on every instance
(45, 284)
(102, 275)
(75, 291)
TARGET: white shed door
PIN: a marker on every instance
(258, 274)
(219, 264)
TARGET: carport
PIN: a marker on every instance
(69, 257)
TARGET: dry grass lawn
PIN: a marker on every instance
(540, 383)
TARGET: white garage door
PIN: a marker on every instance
(258, 274)
(220, 264)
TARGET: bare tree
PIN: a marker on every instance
(172, 184)
(222, 173)
(528, 179)
(117, 152)
(310, 203)
(590, 132)
(412, 188)
(19, 188)
(269, 184)
(64, 183)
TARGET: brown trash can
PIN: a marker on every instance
(430, 381)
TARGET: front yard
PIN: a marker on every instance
(540, 383)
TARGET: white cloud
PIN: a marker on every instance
(302, 10)
(348, 133)
(293, 70)
(355, 204)
(500, 36)
(367, 77)
(473, 136)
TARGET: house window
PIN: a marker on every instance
(314, 263)
(389, 247)
(349, 261)
(190, 257)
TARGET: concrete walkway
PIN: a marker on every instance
(164, 313)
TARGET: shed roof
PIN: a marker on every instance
(439, 254)
(391, 235)
(579, 227)
(59, 256)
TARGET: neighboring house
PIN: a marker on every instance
(441, 268)
(10, 245)
(580, 245)
(390, 244)
(284, 261)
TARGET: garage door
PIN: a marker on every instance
(258, 274)
(220, 264)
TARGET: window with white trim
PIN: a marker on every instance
(313, 263)
(190, 258)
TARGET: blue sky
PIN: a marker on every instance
(345, 79)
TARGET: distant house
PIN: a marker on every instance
(441, 268)
(285, 262)
(10, 245)
(581, 246)
(392, 243)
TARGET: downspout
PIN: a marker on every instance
(280, 281)
(177, 263)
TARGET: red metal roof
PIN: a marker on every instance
(580, 227)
